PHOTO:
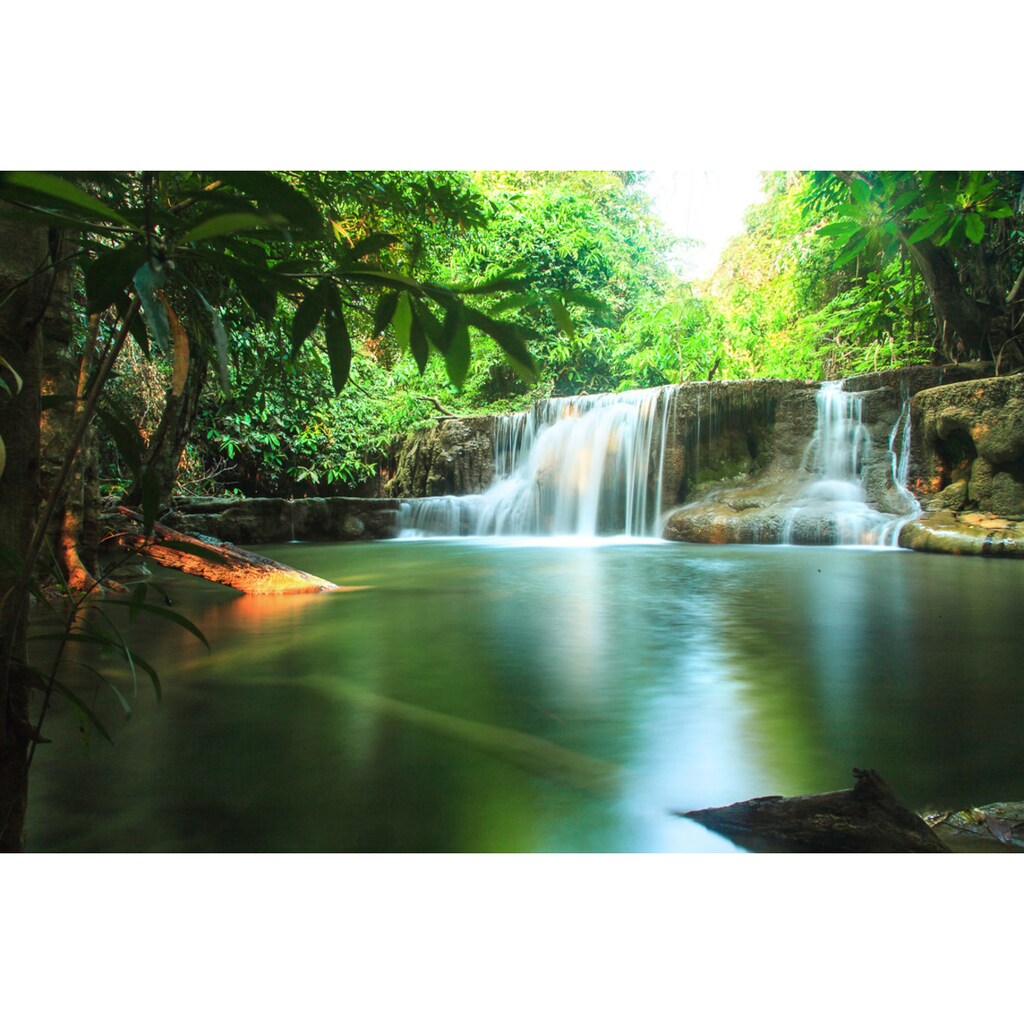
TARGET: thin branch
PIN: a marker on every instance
(1012, 295)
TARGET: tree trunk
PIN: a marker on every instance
(163, 455)
(221, 563)
(866, 819)
(23, 252)
(963, 321)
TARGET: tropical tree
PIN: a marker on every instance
(163, 258)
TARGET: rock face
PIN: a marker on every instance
(968, 446)
(742, 461)
(455, 456)
(774, 498)
(277, 520)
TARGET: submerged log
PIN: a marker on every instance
(869, 818)
(219, 562)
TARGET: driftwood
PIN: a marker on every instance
(866, 819)
(220, 562)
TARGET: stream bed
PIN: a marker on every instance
(543, 695)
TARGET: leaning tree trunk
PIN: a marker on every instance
(966, 324)
(23, 252)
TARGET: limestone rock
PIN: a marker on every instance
(276, 520)
(947, 532)
(970, 436)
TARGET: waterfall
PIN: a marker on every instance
(833, 507)
(586, 466)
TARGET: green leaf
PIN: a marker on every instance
(380, 278)
(904, 200)
(402, 321)
(418, 340)
(18, 382)
(861, 191)
(561, 315)
(510, 337)
(339, 349)
(975, 227)
(849, 254)
(220, 339)
(65, 192)
(164, 613)
(75, 701)
(230, 224)
(842, 228)
(308, 314)
(999, 210)
(112, 274)
(50, 218)
(384, 312)
(930, 226)
(506, 281)
(579, 297)
(123, 433)
(256, 290)
(277, 195)
(370, 244)
(457, 356)
(137, 327)
(147, 280)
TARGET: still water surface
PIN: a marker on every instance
(536, 696)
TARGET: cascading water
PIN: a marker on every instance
(578, 466)
(833, 508)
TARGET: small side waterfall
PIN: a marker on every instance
(584, 466)
(833, 508)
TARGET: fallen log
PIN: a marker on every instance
(869, 818)
(219, 562)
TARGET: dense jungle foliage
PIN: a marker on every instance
(836, 273)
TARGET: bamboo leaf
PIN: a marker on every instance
(307, 315)
(457, 356)
(370, 244)
(110, 275)
(339, 349)
(231, 224)
(76, 702)
(402, 321)
(384, 312)
(53, 187)
(277, 195)
(220, 339)
(123, 433)
(418, 341)
(164, 613)
(509, 337)
(18, 382)
(561, 315)
(147, 281)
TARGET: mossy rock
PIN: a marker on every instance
(950, 533)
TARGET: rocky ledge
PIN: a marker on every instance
(248, 521)
(970, 533)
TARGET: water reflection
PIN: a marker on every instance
(494, 696)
